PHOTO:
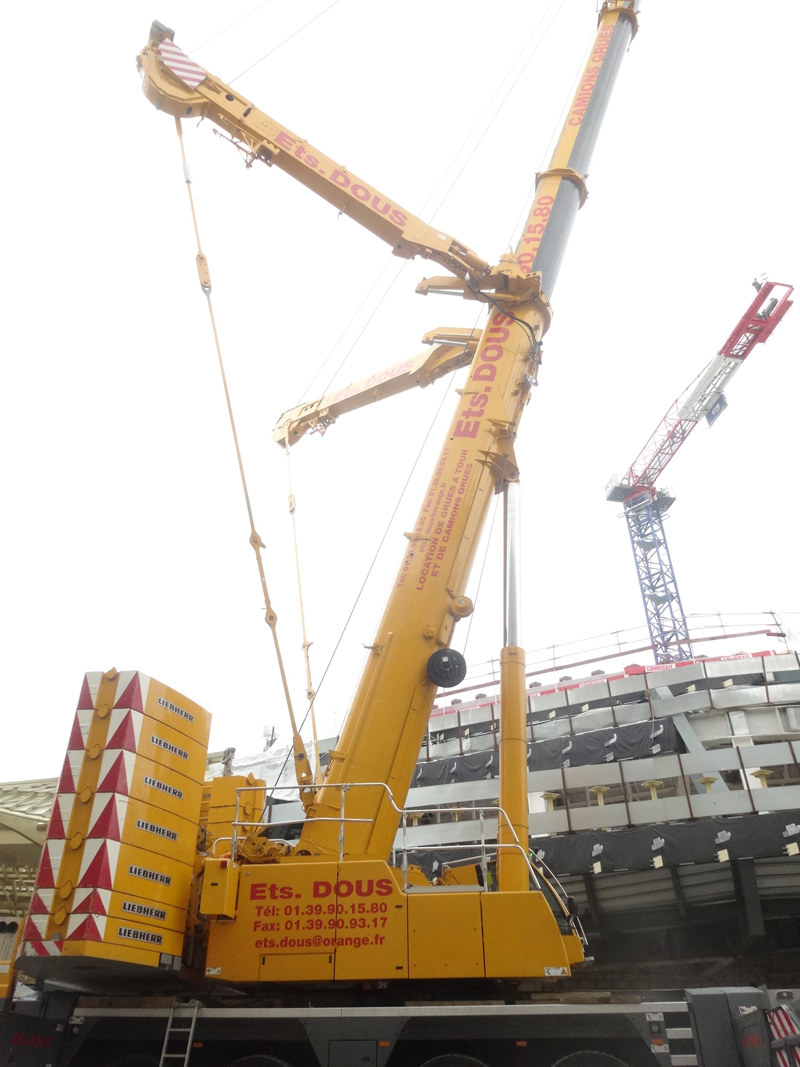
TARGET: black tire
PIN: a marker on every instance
(135, 1059)
(259, 1061)
(588, 1058)
(453, 1059)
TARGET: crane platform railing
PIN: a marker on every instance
(249, 827)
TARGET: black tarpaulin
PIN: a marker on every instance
(762, 836)
(633, 741)
(751, 836)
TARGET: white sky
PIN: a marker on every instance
(125, 534)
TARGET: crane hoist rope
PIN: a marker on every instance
(302, 769)
(269, 797)
(452, 185)
(310, 691)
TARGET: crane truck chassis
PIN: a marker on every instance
(369, 1028)
(441, 979)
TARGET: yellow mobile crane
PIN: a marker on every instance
(339, 866)
(129, 898)
(330, 908)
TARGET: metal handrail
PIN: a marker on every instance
(345, 787)
(404, 813)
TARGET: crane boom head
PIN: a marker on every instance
(759, 321)
(174, 83)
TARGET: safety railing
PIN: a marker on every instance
(710, 633)
(343, 820)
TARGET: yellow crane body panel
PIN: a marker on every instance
(355, 914)
(445, 935)
(519, 928)
(220, 810)
(220, 887)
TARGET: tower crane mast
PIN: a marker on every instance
(644, 505)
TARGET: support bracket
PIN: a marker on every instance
(570, 175)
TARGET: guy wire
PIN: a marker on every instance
(205, 283)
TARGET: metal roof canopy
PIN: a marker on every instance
(24, 814)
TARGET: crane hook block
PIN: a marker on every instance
(447, 668)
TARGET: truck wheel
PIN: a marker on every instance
(589, 1059)
(136, 1059)
(453, 1059)
(259, 1061)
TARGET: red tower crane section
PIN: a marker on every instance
(705, 395)
(644, 505)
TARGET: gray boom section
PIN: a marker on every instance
(567, 200)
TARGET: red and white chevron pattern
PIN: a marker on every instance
(132, 687)
(86, 927)
(99, 864)
(41, 948)
(125, 729)
(783, 1024)
(116, 772)
(181, 66)
(91, 901)
(108, 816)
(49, 864)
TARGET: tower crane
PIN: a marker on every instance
(644, 505)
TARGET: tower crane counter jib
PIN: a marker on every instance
(338, 873)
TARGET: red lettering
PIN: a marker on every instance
(338, 178)
(286, 892)
(399, 218)
(376, 205)
(484, 372)
(321, 889)
(360, 192)
(501, 320)
(502, 334)
(284, 140)
(480, 400)
(34, 1041)
(383, 887)
(464, 428)
(311, 161)
(361, 891)
(496, 349)
(258, 891)
(343, 889)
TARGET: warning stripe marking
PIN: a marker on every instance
(180, 64)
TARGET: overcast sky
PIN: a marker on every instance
(125, 533)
